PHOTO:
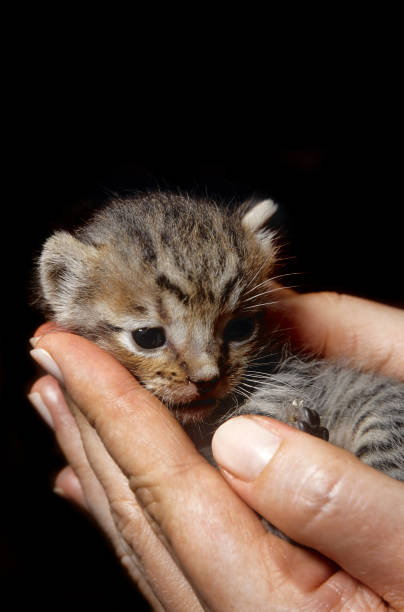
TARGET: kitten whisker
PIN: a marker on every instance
(252, 365)
(262, 305)
(256, 377)
(243, 392)
(263, 354)
(264, 282)
(244, 384)
(253, 297)
(269, 280)
(255, 275)
(269, 380)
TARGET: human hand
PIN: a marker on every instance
(182, 531)
(368, 334)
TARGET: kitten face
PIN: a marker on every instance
(187, 357)
(166, 284)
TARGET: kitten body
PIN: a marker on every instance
(179, 291)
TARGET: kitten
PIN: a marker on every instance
(179, 291)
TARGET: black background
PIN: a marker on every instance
(340, 210)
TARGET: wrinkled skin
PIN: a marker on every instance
(186, 532)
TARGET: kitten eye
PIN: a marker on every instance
(149, 337)
(238, 330)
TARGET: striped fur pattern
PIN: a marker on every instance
(178, 290)
(363, 412)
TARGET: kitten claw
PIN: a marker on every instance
(323, 433)
(307, 420)
(312, 417)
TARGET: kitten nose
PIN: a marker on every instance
(205, 386)
(202, 370)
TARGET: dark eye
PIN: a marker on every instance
(149, 337)
(239, 329)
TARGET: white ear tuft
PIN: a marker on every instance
(255, 220)
(257, 216)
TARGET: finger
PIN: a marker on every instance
(369, 334)
(89, 494)
(48, 395)
(108, 497)
(319, 495)
(45, 328)
(212, 532)
(68, 485)
(151, 560)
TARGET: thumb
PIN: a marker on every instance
(319, 495)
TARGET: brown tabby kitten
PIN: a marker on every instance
(178, 290)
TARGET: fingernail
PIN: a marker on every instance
(34, 340)
(38, 403)
(243, 447)
(59, 491)
(48, 363)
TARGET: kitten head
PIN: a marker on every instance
(172, 287)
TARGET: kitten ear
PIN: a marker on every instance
(256, 219)
(63, 262)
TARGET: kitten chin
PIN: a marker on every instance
(194, 413)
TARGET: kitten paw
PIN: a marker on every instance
(307, 420)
